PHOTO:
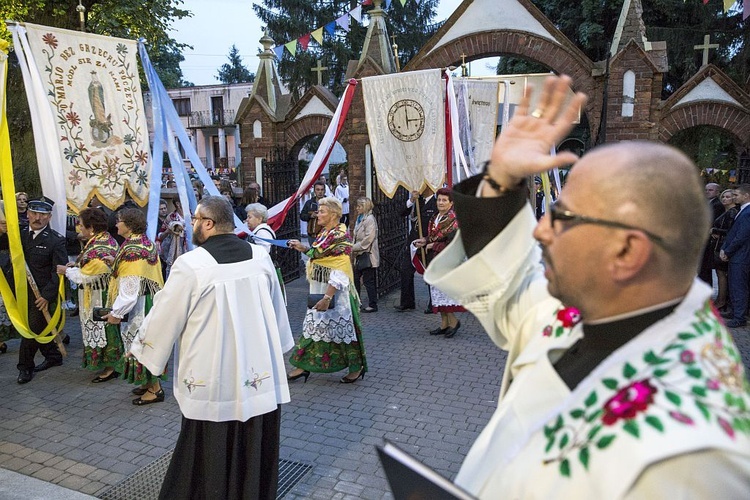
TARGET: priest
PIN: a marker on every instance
(621, 380)
(224, 307)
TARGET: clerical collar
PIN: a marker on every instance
(617, 330)
(637, 312)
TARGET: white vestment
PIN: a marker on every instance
(231, 328)
(667, 415)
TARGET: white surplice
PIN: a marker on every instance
(231, 328)
(653, 420)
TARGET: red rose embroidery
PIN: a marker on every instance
(628, 402)
(547, 331)
(569, 316)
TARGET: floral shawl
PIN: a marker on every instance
(137, 257)
(332, 249)
(92, 258)
(442, 229)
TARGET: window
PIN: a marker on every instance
(182, 106)
(628, 94)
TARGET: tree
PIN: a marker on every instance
(122, 18)
(234, 71)
(287, 20)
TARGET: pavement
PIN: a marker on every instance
(62, 437)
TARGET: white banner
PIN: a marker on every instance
(91, 83)
(405, 116)
(477, 116)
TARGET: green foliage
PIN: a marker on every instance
(287, 20)
(234, 71)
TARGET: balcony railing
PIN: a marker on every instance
(201, 119)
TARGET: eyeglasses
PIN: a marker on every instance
(556, 213)
(195, 218)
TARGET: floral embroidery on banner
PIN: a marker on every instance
(650, 395)
(565, 319)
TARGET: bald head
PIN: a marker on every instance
(654, 187)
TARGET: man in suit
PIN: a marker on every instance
(44, 250)
(712, 194)
(427, 208)
(736, 251)
(309, 212)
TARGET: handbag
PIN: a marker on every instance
(314, 298)
(362, 261)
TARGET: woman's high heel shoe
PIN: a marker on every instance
(452, 331)
(303, 373)
(3, 348)
(345, 380)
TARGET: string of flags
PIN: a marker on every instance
(343, 22)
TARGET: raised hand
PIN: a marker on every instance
(523, 147)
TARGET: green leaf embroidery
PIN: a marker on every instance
(565, 468)
(610, 383)
(655, 423)
(674, 398)
(675, 346)
(631, 426)
(593, 432)
(594, 416)
(694, 372)
(653, 359)
(591, 400)
(699, 391)
(578, 413)
(658, 373)
(550, 443)
(564, 441)
(685, 336)
(628, 371)
(605, 441)
(704, 410)
(559, 331)
(583, 456)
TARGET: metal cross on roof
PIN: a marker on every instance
(705, 48)
(319, 69)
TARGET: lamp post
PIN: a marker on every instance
(81, 18)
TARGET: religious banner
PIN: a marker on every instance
(477, 119)
(405, 116)
(94, 91)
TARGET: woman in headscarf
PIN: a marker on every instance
(331, 337)
(102, 346)
(136, 277)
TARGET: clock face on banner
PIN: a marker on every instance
(406, 120)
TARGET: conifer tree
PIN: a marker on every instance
(234, 71)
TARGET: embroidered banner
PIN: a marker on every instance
(477, 116)
(405, 116)
(94, 91)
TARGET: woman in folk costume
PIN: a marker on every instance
(102, 346)
(136, 277)
(331, 339)
(442, 229)
(172, 236)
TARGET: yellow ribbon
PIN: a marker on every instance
(17, 305)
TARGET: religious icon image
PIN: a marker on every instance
(100, 122)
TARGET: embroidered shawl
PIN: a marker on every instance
(91, 260)
(137, 257)
(442, 229)
(332, 249)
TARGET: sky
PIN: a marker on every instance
(217, 24)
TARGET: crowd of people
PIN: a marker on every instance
(616, 358)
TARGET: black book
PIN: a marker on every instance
(410, 479)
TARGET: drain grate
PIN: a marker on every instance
(141, 485)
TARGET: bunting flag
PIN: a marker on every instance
(92, 87)
(405, 115)
(331, 28)
(356, 13)
(745, 9)
(279, 51)
(304, 41)
(277, 213)
(728, 4)
(291, 47)
(318, 36)
(343, 21)
(403, 2)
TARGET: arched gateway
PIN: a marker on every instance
(484, 28)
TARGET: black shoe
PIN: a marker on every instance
(99, 379)
(347, 380)
(47, 364)
(452, 331)
(66, 340)
(439, 331)
(139, 391)
(401, 308)
(159, 398)
(304, 373)
(25, 376)
(3, 347)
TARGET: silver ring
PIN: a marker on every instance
(537, 113)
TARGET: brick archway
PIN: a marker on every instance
(558, 58)
(300, 130)
(732, 119)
